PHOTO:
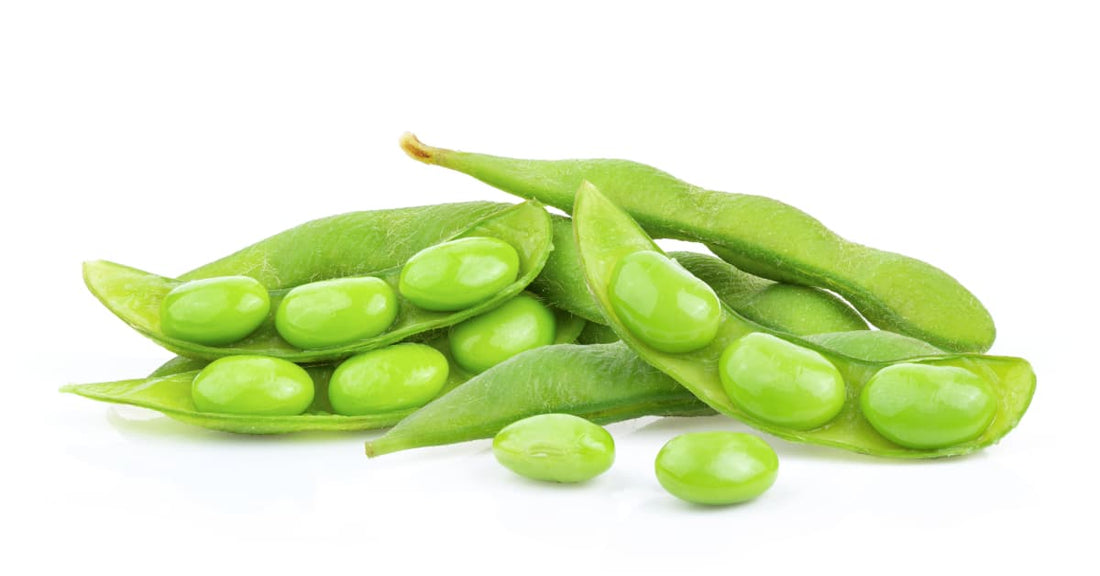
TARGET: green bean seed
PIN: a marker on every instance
(394, 378)
(214, 311)
(458, 274)
(925, 407)
(520, 324)
(781, 382)
(253, 385)
(335, 312)
(663, 304)
(716, 467)
(555, 448)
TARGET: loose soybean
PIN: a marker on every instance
(555, 448)
(397, 377)
(716, 468)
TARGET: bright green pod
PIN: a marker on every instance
(520, 324)
(253, 385)
(716, 468)
(555, 448)
(759, 235)
(458, 274)
(781, 382)
(214, 311)
(394, 378)
(336, 312)
(605, 235)
(927, 407)
(663, 304)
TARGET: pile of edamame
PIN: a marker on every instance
(478, 320)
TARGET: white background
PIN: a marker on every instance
(163, 135)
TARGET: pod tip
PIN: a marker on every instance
(417, 150)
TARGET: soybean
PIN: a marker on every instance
(214, 311)
(606, 234)
(393, 378)
(458, 274)
(520, 324)
(253, 386)
(555, 448)
(928, 407)
(781, 382)
(716, 468)
(336, 312)
(663, 304)
(759, 235)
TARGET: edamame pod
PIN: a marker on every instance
(603, 383)
(759, 235)
(135, 296)
(606, 234)
(169, 392)
(347, 245)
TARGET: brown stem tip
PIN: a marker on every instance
(417, 149)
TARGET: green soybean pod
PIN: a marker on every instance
(336, 312)
(252, 385)
(214, 311)
(759, 235)
(663, 304)
(135, 296)
(716, 468)
(347, 245)
(602, 383)
(781, 382)
(555, 448)
(397, 377)
(458, 274)
(606, 234)
(928, 407)
(168, 391)
(520, 324)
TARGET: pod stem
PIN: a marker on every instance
(418, 150)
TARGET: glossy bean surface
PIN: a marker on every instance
(254, 386)
(394, 378)
(716, 468)
(759, 235)
(518, 325)
(606, 234)
(336, 312)
(555, 448)
(781, 382)
(928, 407)
(458, 274)
(214, 311)
(663, 304)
